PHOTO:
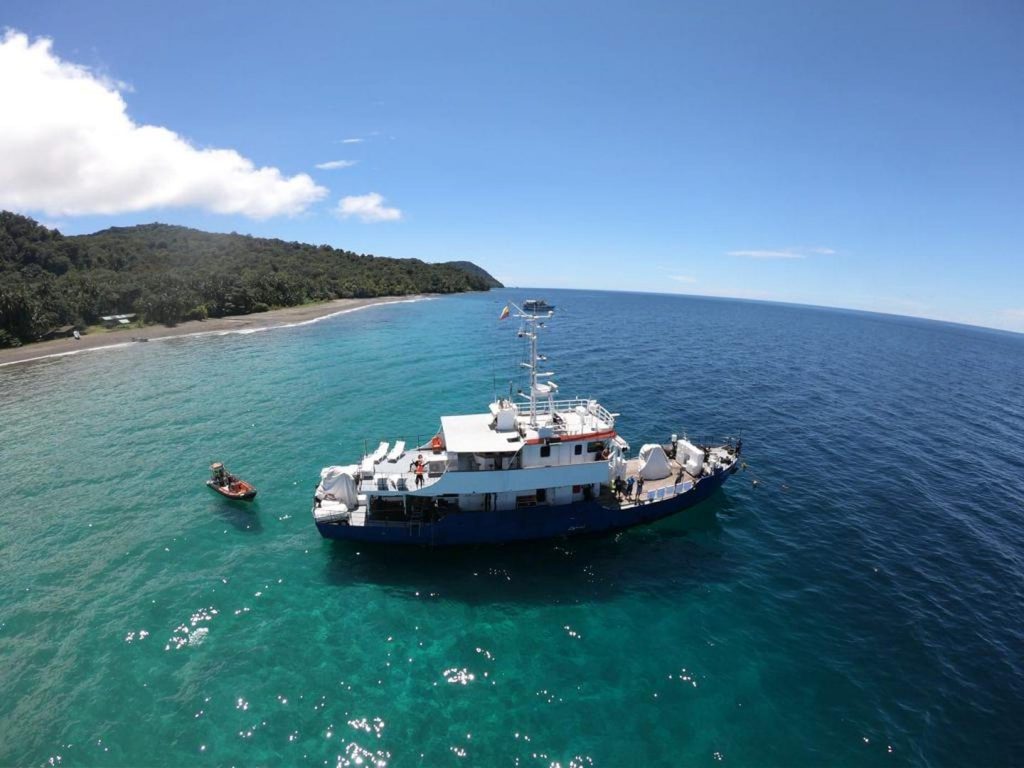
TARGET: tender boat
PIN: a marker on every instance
(537, 305)
(539, 468)
(229, 486)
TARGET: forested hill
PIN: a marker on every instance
(167, 274)
(473, 269)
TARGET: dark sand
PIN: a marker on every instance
(271, 319)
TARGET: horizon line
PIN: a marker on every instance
(802, 305)
(605, 290)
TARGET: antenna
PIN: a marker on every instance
(531, 322)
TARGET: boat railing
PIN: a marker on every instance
(711, 441)
(475, 462)
(413, 445)
(708, 442)
(569, 405)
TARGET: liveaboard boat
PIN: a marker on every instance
(229, 486)
(536, 468)
(537, 306)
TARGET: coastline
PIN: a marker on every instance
(286, 317)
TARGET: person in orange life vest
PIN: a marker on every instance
(420, 469)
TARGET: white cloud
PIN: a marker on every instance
(768, 254)
(1014, 314)
(331, 165)
(69, 148)
(783, 253)
(683, 278)
(352, 141)
(368, 208)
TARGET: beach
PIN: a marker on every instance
(260, 320)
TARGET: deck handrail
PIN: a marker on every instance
(592, 407)
(710, 440)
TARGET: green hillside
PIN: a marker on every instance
(168, 274)
(472, 269)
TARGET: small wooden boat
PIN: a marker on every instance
(229, 486)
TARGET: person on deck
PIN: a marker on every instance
(620, 487)
(639, 487)
(420, 468)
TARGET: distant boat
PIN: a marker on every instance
(229, 486)
(537, 305)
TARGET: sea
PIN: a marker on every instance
(854, 596)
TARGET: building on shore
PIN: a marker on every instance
(115, 321)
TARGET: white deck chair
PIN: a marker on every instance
(366, 468)
(397, 451)
(368, 463)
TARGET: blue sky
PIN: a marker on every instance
(866, 155)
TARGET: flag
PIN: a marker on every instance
(504, 313)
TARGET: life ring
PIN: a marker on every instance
(436, 444)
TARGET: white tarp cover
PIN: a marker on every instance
(654, 463)
(690, 456)
(336, 484)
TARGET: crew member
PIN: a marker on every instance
(420, 468)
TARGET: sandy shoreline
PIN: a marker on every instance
(275, 318)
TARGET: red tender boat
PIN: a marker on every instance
(229, 486)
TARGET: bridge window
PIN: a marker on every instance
(545, 451)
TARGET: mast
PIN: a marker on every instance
(533, 372)
(531, 322)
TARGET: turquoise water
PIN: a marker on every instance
(862, 605)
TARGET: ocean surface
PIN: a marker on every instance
(862, 603)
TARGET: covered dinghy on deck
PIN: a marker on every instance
(654, 464)
(690, 456)
(336, 494)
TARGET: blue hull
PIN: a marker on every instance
(532, 523)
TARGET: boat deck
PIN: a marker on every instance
(633, 470)
(677, 482)
(391, 472)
